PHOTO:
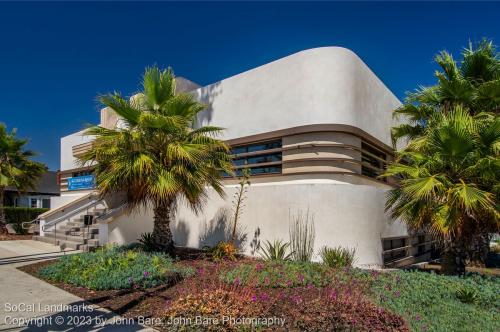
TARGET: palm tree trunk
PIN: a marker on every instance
(162, 234)
(454, 258)
(3, 225)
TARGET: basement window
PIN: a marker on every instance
(394, 249)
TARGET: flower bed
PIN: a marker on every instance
(115, 268)
(337, 302)
(279, 274)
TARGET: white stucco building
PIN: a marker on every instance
(313, 127)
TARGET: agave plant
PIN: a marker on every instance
(467, 295)
(276, 251)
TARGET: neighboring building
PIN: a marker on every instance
(38, 197)
(314, 129)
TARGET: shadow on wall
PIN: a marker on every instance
(207, 96)
(219, 228)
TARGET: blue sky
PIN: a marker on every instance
(55, 58)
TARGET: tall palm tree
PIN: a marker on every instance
(449, 183)
(473, 84)
(449, 170)
(16, 167)
(155, 155)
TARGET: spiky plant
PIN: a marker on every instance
(302, 236)
(239, 198)
(157, 156)
(276, 251)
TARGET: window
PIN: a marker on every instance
(81, 173)
(255, 154)
(374, 158)
(393, 245)
(46, 203)
(33, 202)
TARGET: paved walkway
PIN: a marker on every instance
(30, 304)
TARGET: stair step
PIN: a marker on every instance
(94, 229)
(92, 243)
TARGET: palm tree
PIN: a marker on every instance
(449, 170)
(16, 168)
(449, 183)
(155, 155)
(473, 84)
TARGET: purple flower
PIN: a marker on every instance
(417, 318)
(264, 297)
(237, 281)
(259, 267)
(309, 286)
(397, 293)
(289, 283)
(254, 298)
(145, 274)
(201, 271)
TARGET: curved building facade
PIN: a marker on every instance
(314, 130)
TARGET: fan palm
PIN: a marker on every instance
(16, 168)
(449, 182)
(473, 84)
(155, 155)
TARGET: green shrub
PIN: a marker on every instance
(337, 257)
(17, 215)
(278, 274)
(429, 301)
(222, 251)
(115, 268)
(276, 251)
(466, 295)
(147, 242)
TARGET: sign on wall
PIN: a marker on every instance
(81, 182)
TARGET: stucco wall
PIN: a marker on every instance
(315, 86)
(67, 143)
(344, 214)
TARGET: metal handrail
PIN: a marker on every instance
(111, 212)
(29, 222)
(71, 213)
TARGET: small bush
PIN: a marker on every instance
(466, 295)
(337, 257)
(17, 215)
(115, 268)
(222, 251)
(147, 242)
(276, 251)
(278, 274)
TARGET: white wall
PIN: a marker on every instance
(67, 143)
(346, 215)
(316, 86)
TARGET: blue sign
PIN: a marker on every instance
(81, 182)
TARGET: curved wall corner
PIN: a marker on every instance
(329, 85)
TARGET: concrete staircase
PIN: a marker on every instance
(73, 233)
